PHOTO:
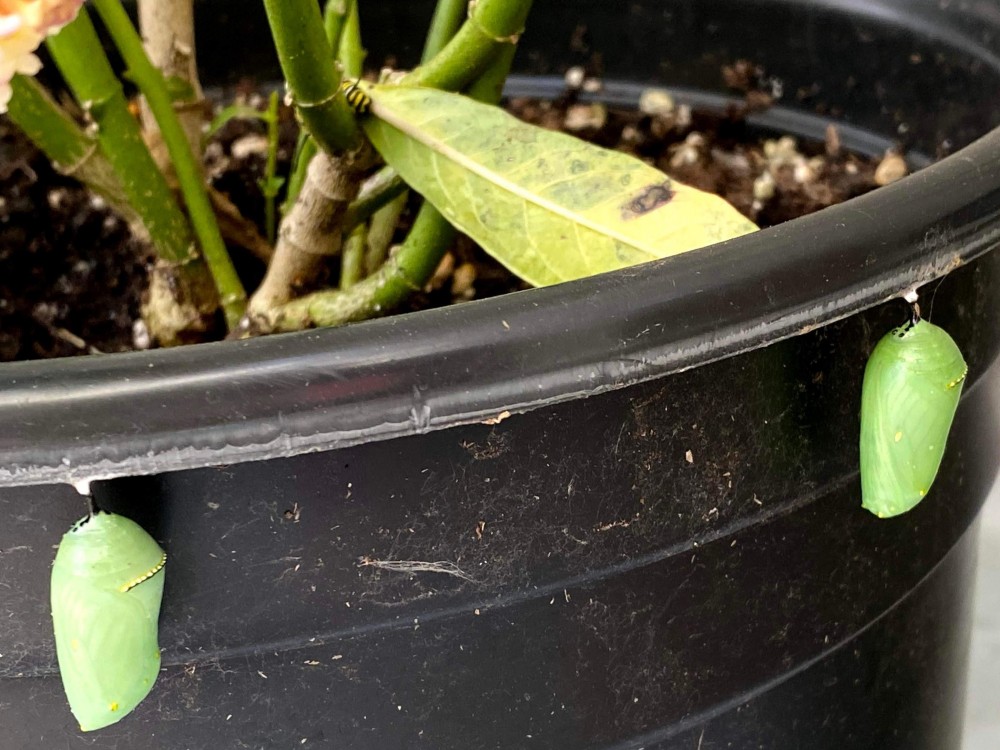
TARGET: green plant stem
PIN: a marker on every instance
(182, 299)
(337, 22)
(72, 151)
(352, 266)
(447, 20)
(381, 232)
(351, 55)
(387, 187)
(270, 183)
(305, 54)
(335, 14)
(305, 150)
(492, 25)
(403, 274)
(378, 190)
(189, 175)
(350, 51)
(410, 268)
(383, 197)
(488, 88)
(48, 125)
(80, 57)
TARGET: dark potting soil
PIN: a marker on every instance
(72, 277)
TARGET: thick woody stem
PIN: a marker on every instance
(312, 229)
(167, 28)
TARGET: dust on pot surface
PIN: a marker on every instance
(618, 513)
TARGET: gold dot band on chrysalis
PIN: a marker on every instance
(145, 576)
(960, 378)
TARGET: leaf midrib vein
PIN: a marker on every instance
(451, 154)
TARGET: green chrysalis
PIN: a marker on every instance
(107, 583)
(911, 389)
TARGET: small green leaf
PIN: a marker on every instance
(548, 206)
(270, 188)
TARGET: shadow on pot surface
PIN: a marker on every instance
(645, 557)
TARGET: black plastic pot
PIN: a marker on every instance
(638, 493)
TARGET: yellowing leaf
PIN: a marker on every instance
(548, 206)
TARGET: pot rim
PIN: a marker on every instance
(80, 419)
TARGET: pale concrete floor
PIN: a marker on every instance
(982, 713)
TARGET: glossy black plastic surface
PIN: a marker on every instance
(640, 559)
(597, 587)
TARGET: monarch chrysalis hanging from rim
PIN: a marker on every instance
(107, 585)
(912, 385)
(356, 97)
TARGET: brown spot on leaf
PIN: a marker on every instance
(648, 199)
